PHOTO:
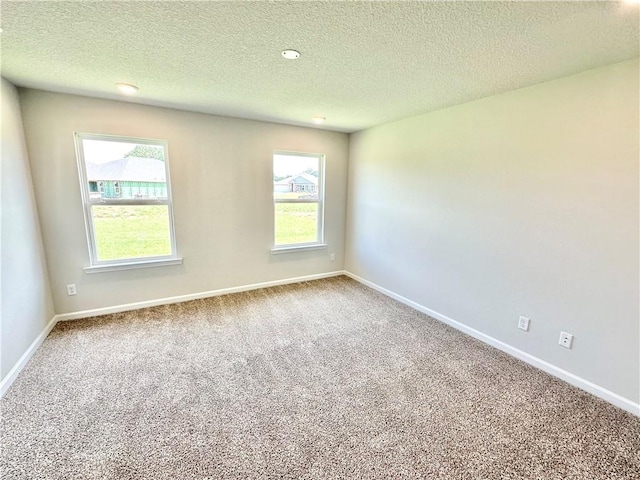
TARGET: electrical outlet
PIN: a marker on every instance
(333, 257)
(71, 289)
(523, 324)
(565, 339)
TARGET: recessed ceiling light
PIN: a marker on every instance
(291, 54)
(127, 88)
(318, 119)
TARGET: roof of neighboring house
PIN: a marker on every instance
(300, 178)
(133, 169)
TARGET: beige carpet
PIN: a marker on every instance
(324, 379)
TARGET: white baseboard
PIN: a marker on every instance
(576, 381)
(193, 296)
(8, 380)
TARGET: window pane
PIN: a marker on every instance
(124, 170)
(296, 223)
(131, 231)
(295, 176)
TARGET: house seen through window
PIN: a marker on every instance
(127, 198)
(298, 199)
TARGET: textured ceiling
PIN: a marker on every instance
(362, 64)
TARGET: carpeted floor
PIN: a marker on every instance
(324, 379)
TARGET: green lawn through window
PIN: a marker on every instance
(131, 231)
(296, 223)
(123, 232)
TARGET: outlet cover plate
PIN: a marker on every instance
(523, 324)
(566, 339)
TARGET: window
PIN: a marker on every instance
(127, 201)
(298, 195)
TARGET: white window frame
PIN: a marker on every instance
(319, 242)
(88, 202)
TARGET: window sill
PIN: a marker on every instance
(112, 267)
(298, 248)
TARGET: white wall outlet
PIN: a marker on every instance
(523, 324)
(333, 257)
(71, 289)
(565, 339)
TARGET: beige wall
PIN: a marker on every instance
(525, 203)
(26, 301)
(222, 192)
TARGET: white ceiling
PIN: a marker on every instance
(362, 64)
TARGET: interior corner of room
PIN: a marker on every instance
(520, 203)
